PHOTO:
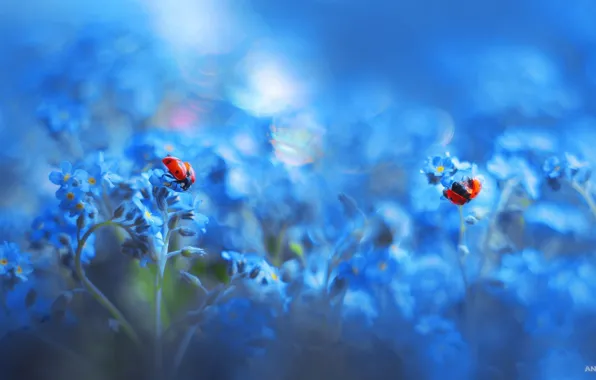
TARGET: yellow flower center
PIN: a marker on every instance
(440, 169)
(92, 181)
(382, 266)
(3, 262)
(148, 214)
(64, 115)
(274, 276)
(19, 270)
(70, 196)
(80, 206)
(169, 148)
(66, 177)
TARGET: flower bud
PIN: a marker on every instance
(64, 239)
(254, 273)
(187, 215)
(173, 221)
(191, 251)
(183, 231)
(119, 211)
(471, 220)
(81, 221)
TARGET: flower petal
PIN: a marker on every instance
(56, 178)
(66, 167)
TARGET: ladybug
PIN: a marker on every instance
(463, 192)
(182, 172)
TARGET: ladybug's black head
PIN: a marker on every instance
(460, 190)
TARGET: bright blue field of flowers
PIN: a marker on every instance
(355, 190)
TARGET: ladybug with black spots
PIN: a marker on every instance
(181, 172)
(464, 191)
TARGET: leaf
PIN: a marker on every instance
(192, 279)
(297, 249)
(217, 270)
(30, 298)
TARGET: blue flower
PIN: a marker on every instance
(63, 177)
(23, 267)
(437, 168)
(149, 217)
(74, 201)
(554, 171)
(42, 228)
(553, 167)
(13, 261)
(160, 178)
(9, 255)
(91, 181)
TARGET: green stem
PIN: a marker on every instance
(462, 225)
(159, 279)
(94, 291)
(461, 243)
(583, 191)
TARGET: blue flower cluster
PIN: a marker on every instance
(228, 209)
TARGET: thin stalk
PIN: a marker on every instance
(94, 291)
(583, 191)
(461, 243)
(161, 266)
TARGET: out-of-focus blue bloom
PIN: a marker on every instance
(446, 342)
(61, 115)
(577, 169)
(433, 283)
(528, 80)
(559, 217)
(240, 322)
(561, 364)
(8, 257)
(521, 140)
(553, 169)
(15, 262)
(571, 168)
(515, 168)
(23, 267)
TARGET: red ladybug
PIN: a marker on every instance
(182, 172)
(463, 192)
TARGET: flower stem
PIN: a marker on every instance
(94, 291)
(461, 243)
(159, 279)
(462, 225)
(585, 193)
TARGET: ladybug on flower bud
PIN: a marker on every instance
(460, 193)
(181, 172)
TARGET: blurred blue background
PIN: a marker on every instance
(322, 133)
